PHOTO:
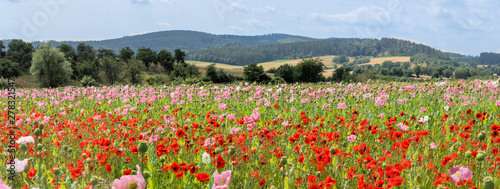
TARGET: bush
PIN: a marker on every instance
(4, 84)
(278, 80)
(162, 79)
(190, 81)
(88, 81)
(151, 80)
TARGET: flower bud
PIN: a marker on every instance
(218, 150)
(481, 136)
(94, 181)
(41, 126)
(38, 132)
(146, 175)
(480, 156)
(23, 147)
(231, 151)
(143, 147)
(70, 150)
(283, 161)
(65, 147)
(468, 154)
(57, 171)
(488, 183)
(39, 147)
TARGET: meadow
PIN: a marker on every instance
(329, 135)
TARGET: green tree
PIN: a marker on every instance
(20, 52)
(166, 60)
(341, 74)
(86, 68)
(287, 72)
(135, 74)
(2, 53)
(147, 56)
(435, 74)
(462, 73)
(9, 69)
(126, 54)
(49, 67)
(112, 68)
(178, 72)
(252, 73)
(447, 73)
(309, 70)
(417, 71)
(340, 59)
(212, 73)
(192, 70)
(102, 52)
(179, 56)
(406, 65)
(396, 71)
(84, 52)
(68, 50)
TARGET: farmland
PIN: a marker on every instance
(378, 135)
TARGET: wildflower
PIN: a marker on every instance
(342, 106)
(234, 130)
(351, 138)
(3, 185)
(221, 181)
(222, 106)
(205, 158)
(130, 181)
(433, 146)
(460, 173)
(20, 165)
(202, 177)
(209, 142)
(402, 127)
(24, 140)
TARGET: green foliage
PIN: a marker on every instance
(126, 54)
(112, 69)
(254, 73)
(21, 53)
(179, 72)
(271, 70)
(340, 59)
(85, 53)
(68, 50)
(151, 80)
(341, 74)
(278, 80)
(2, 53)
(287, 72)
(9, 69)
(102, 52)
(88, 81)
(417, 70)
(86, 68)
(166, 60)
(192, 70)
(396, 71)
(489, 58)
(190, 81)
(4, 83)
(361, 60)
(217, 76)
(435, 75)
(462, 73)
(309, 70)
(447, 73)
(49, 67)
(135, 76)
(147, 56)
(179, 56)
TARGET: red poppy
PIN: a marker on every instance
(262, 183)
(127, 172)
(179, 133)
(31, 173)
(108, 168)
(219, 162)
(202, 177)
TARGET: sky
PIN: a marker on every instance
(463, 26)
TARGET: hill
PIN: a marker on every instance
(184, 40)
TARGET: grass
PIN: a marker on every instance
(374, 61)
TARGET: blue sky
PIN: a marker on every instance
(464, 26)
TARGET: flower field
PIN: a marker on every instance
(375, 135)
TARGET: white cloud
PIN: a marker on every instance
(266, 9)
(236, 28)
(257, 23)
(164, 24)
(360, 15)
(498, 51)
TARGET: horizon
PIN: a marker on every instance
(466, 27)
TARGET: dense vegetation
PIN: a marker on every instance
(185, 40)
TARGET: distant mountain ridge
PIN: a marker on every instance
(184, 40)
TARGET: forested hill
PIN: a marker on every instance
(333, 46)
(185, 40)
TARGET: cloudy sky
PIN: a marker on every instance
(464, 26)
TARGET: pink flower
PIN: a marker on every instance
(153, 138)
(351, 138)
(325, 105)
(24, 140)
(3, 185)
(342, 106)
(209, 142)
(20, 165)
(221, 181)
(222, 107)
(497, 103)
(433, 146)
(381, 116)
(234, 130)
(402, 127)
(460, 173)
(130, 181)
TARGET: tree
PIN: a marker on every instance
(84, 52)
(147, 56)
(396, 71)
(2, 53)
(435, 74)
(179, 57)
(102, 52)
(447, 73)
(340, 59)
(252, 73)
(178, 72)
(417, 71)
(406, 65)
(68, 50)
(192, 70)
(341, 74)
(166, 60)
(49, 67)
(112, 68)
(86, 68)
(287, 72)
(212, 73)
(135, 74)
(21, 53)
(9, 69)
(462, 73)
(126, 54)
(309, 70)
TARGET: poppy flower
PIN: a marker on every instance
(131, 181)
(219, 162)
(3, 185)
(223, 180)
(460, 173)
(202, 177)
(31, 173)
(262, 183)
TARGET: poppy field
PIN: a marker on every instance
(370, 135)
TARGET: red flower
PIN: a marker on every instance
(220, 162)
(262, 183)
(179, 133)
(202, 177)
(108, 168)
(31, 173)
(127, 172)
(397, 181)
